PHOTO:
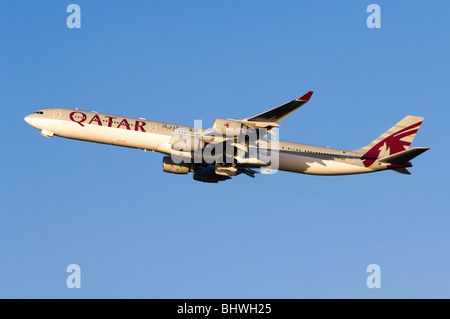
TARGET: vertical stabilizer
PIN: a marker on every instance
(397, 139)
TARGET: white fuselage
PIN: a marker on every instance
(156, 136)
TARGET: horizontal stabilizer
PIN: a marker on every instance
(404, 156)
(402, 170)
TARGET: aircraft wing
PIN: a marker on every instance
(272, 117)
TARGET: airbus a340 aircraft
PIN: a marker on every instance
(389, 151)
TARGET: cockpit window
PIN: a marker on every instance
(38, 112)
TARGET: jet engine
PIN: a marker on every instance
(228, 127)
(169, 166)
(207, 175)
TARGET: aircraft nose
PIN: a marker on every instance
(32, 120)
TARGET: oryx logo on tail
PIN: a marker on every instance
(395, 140)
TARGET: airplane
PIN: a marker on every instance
(390, 151)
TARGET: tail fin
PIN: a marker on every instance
(397, 139)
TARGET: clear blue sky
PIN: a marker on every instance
(137, 232)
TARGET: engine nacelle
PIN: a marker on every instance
(170, 167)
(228, 127)
(207, 175)
(183, 140)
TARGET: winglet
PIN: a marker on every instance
(272, 117)
(306, 97)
